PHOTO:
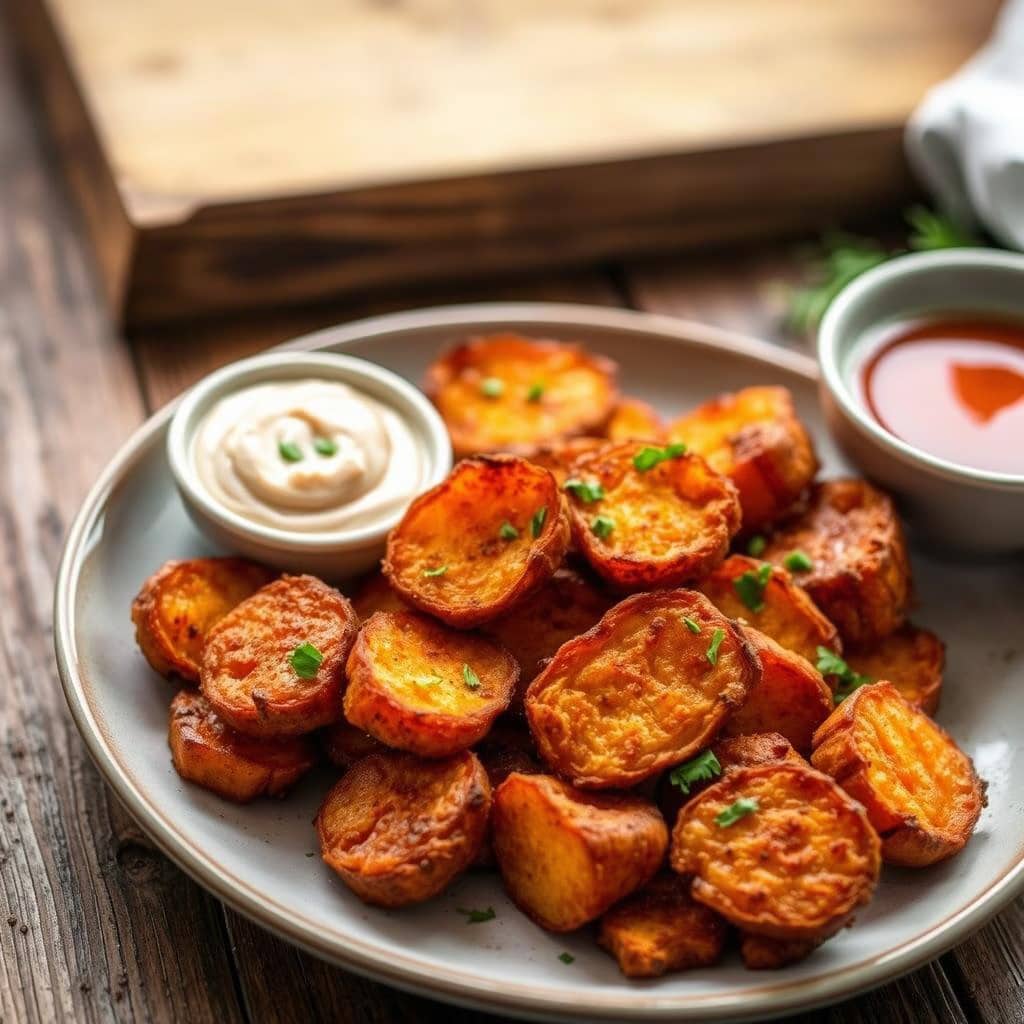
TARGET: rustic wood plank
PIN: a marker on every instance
(94, 925)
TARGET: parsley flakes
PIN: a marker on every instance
(305, 660)
(508, 531)
(740, 809)
(798, 561)
(471, 678)
(830, 664)
(751, 585)
(439, 571)
(716, 641)
(649, 457)
(702, 768)
(583, 490)
(477, 916)
(538, 520)
(602, 527)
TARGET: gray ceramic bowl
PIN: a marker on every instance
(951, 506)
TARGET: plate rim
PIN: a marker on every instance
(520, 999)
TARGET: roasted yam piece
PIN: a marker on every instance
(920, 789)
(375, 594)
(398, 829)
(566, 856)
(661, 928)
(779, 850)
(274, 665)
(211, 754)
(566, 606)
(755, 438)
(790, 698)
(179, 603)
(420, 686)
(912, 659)
(469, 549)
(649, 686)
(860, 572)
(656, 526)
(778, 607)
(344, 744)
(507, 393)
(761, 953)
(634, 420)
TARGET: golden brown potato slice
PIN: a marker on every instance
(508, 393)
(920, 789)
(790, 698)
(566, 856)
(211, 754)
(469, 549)
(646, 516)
(398, 829)
(912, 659)
(344, 744)
(634, 420)
(755, 438)
(761, 953)
(274, 665)
(661, 928)
(420, 686)
(769, 600)
(566, 606)
(649, 686)
(179, 603)
(859, 572)
(375, 594)
(778, 849)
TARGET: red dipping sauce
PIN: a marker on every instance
(952, 387)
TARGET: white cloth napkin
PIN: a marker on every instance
(966, 139)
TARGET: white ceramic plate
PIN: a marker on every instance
(258, 858)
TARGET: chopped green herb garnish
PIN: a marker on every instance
(477, 916)
(744, 806)
(471, 678)
(756, 546)
(289, 451)
(492, 387)
(702, 768)
(602, 527)
(647, 458)
(830, 664)
(584, 490)
(325, 446)
(305, 660)
(538, 520)
(508, 531)
(751, 585)
(439, 571)
(566, 958)
(716, 641)
(691, 625)
(535, 393)
(798, 561)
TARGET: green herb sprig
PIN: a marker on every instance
(830, 664)
(702, 768)
(750, 587)
(305, 660)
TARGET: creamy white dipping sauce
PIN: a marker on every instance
(312, 456)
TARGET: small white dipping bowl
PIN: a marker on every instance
(953, 507)
(335, 554)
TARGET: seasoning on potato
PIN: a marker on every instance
(508, 393)
(648, 687)
(767, 597)
(634, 420)
(397, 829)
(661, 928)
(912, 659)
(206, 751)
(421, 686)
(181, 601)
(778, 849)
(566, 856)
(755, 438)
(344, 744)
(920, 789)
(274, 665)
(647, 516)
(854, 558)
(482, 540)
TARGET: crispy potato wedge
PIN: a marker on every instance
(471, 548)
(566, 606)
(791, 698)
(661, 928)
(657, 527)
(912, 659)
(761, 953)
(179, 603)
(920, 789)
(640, 691)
(780, 609)
(778, 849)
(566, 856)
(755, 438)
(509, 393)
(634, 420)
(247, 673)
(398, 829)
(420, 686)
(375, 594)
(860, 571)
(344, 744)
(211, 754)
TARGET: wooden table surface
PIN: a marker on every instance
(95, 924)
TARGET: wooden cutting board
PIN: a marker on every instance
(245, 153)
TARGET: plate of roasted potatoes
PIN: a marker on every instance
(651, 711)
